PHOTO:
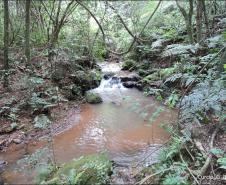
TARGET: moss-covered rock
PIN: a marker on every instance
(87, 79)
(129, 65)
(92, 169)
(93, 98)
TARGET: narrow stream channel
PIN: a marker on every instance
(123, 126)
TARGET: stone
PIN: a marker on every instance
(132, 77)
(108, 75)
(17, 141)
(129, 84)
(93, 98)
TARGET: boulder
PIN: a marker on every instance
(86, 80)
(132, 77)
(108, 75)
(129, 84)
(93, 98)
(61, 69)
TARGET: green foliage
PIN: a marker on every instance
(93, 98)
(34, 161)
(172, 99)
(156, 114)
(43, 172)
(222, 162)
(175, 179)
(206, 97)
(128, 64)
(38, 103)
(217, 152)
(92, 169)
(41, 121)
(13, 125)
(170, 34)
(172, 150)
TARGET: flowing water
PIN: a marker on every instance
(126, 126)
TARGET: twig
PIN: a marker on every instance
(152, 175)
(189, 170)
(154, 151)
(193, 158)
(209, 158)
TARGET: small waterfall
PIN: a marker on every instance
(110, 88)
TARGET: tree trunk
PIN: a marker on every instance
(188, 19)
(199, 20)
(27, 33)
(189, 30)
(6, 44)
(205, 17)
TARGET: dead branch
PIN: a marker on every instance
(209, 158)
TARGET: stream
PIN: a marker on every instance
(127, 126)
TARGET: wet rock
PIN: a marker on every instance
(132, 77)
(17, 141)
(87, 80)
(129, 84)
(108, 75)
(139, 86)
(93, 98)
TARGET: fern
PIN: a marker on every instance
(205, 98)
(172, 100)
(41, 121)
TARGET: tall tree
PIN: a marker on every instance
(27, 32)
(6, 43)
(199, 11)
(188, 19)
(58, 18)
(205, 17)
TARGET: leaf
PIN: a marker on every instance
(217, 151)
(41, 121)
(222, 162)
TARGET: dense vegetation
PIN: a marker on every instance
(48, 60)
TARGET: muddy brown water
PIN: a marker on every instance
(127, 126)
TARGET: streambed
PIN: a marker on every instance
(127, 126)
